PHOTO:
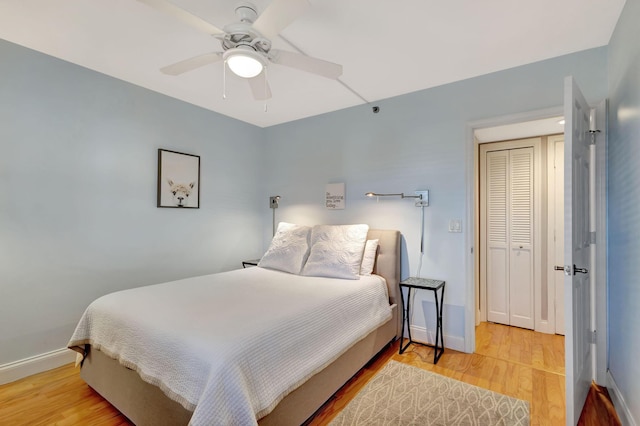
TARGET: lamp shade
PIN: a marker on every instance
(244, 62)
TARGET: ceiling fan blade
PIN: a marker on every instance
(191, 63)
(306, 63)
(278, 15)
(260, 87)
(169, 8)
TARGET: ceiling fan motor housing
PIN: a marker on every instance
(242, 33)
(247, 12)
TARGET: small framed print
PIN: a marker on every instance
(335, 196)
(178, 180)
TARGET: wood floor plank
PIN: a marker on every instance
(511, 361)
(56, 397)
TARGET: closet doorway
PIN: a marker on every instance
(521, 233)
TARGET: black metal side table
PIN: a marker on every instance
(252, 262)
(423, 284)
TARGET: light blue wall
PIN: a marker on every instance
(624, 206)
(78, 175)
(416, 141)
(78, 215)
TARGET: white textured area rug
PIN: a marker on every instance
(401, 394)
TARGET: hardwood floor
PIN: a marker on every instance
(512, 361)
(508, 360)
(56, 397)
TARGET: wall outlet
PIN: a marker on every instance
(455, 225)
(424, 201)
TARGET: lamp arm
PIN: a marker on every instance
(375, 194)
(411, 196)
(401, 195)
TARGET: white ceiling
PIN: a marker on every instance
(387, 48)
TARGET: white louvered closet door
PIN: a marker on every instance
(510, 237)
(497, 236)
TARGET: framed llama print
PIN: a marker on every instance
(178, 180)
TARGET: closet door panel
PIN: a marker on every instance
(498, 286)
(521, 286)
(520, 220)
(497, 249)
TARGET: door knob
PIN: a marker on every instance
(566, 269)
(581, 270)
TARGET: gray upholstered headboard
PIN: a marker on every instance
(388, 264)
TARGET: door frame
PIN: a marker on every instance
(472, 238)
(551, 234)
(602, 346)
(472, 259)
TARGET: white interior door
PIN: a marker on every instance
(578, 351)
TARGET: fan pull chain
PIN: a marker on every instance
(224, 80)
(265, 89)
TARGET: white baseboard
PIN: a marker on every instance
(421, 334)
(622, 409)
(36, 364)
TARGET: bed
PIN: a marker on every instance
(116, 374)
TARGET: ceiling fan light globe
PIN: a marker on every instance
(244, 66)
(244, 63)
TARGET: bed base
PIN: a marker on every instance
(145, 404)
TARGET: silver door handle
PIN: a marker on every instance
(581, 270)
(566, 269)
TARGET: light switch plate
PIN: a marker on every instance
(455, 225)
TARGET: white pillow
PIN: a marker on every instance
(336, 251)
(369, 257)
(289, 248)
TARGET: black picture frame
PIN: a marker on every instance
(178, 180)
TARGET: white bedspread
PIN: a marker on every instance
(230, 346)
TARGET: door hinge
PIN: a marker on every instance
(592, 237)
(592, 337)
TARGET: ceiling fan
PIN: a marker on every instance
(246, 44)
